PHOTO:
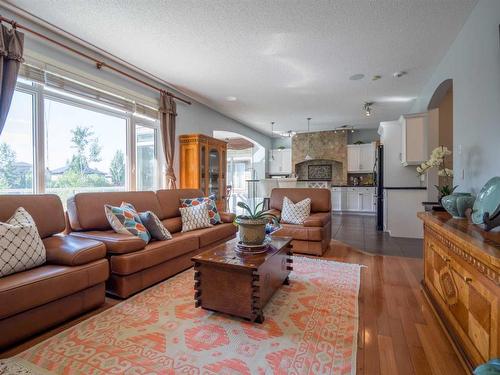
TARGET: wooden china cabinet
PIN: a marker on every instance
(203, 162)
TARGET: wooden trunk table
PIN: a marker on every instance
(241, 285)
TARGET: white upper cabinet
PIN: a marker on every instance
(282, 163)
(414, 135)
(361, 158)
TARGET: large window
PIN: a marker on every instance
(146, 162)
(16, 147)
(57, 141)
(84, 149)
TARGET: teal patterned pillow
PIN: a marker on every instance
(211, 206)
(126, 220)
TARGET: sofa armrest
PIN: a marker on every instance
(227, 217)
(66, 250)
(318, 219)
(116, 243)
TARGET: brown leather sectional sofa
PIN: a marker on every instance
(69, 283)
(134, 265)
(313, 237)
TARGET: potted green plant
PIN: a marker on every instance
(438, 160)
(252, 224)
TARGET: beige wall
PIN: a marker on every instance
(446, 122)
(328, 145)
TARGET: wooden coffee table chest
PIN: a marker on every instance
(241, 285)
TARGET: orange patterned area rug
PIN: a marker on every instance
(310, 327)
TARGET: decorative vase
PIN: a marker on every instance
(251, 232)
(457, 204)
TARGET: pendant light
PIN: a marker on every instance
(308, 155)
(272, 136)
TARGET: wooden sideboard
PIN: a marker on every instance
(462, 282)
(202, 166)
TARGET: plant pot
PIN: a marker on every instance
(251, 232)
(457, 204)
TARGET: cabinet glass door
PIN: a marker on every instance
(203, 183)
(214, 172)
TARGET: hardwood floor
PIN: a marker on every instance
(398, 333)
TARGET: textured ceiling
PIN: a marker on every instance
(283, 60)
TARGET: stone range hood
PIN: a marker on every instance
(319, 169)
(329, 151)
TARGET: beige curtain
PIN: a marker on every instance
(11, 56)
(167, 125)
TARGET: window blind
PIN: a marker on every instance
(74, 87)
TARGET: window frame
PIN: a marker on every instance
(151, 124)
(39, 93)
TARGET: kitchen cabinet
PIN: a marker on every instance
(361, 158)
(337, 199)
(414, 135)
(282, 162)
(354, 198)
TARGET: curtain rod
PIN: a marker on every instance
(99, 64)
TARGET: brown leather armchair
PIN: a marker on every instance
(312, 237)
(69, 283)
(134, 265)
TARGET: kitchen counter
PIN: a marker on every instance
(405, 188)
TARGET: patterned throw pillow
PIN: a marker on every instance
(195, 217)
(21, 247)
(295, 213)
(211, 205)
(126, 220)
(154, 226)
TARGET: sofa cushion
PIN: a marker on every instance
(195, 217)
(211, 205)
(21, 247)
(116, 243)
(300, 232)
(154, 253)
(38, 286)
(213, 234)
(295, 213)
(154, 226)
(320, 198)
(39, 206)
(169, 200)
(125, 220)
(73, 251)
(86, 210)
(173, 224)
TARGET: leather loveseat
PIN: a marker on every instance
(69, 283)
(313, 237)
(135, 266)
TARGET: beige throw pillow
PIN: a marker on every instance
(195, 217)
(295, 213)
(21, 247)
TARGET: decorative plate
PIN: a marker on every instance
(488, 200)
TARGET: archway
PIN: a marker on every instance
(440, 133)
(246, 165)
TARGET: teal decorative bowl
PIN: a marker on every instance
(457, 204)
(488, 200)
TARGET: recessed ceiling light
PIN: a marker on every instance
(231, 98)
(357, 77)
(399, 74)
